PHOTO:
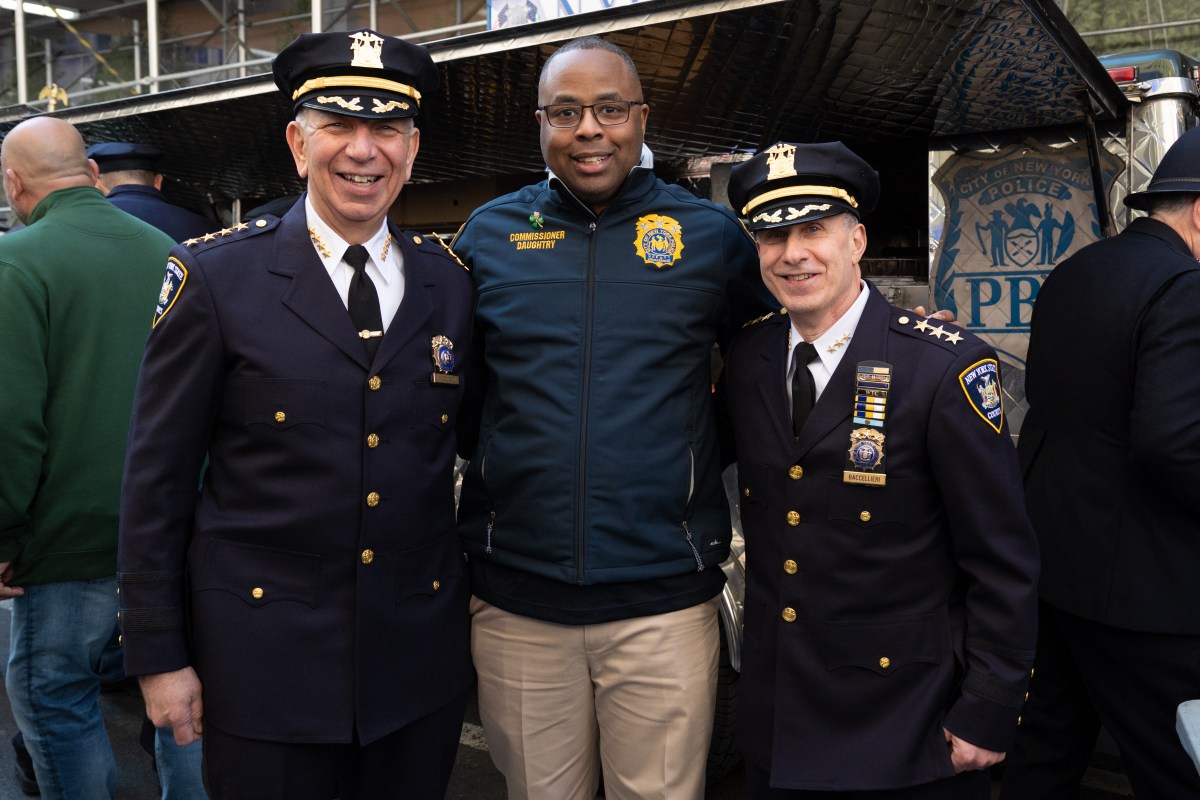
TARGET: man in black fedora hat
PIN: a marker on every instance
(891, 569)
(1111, 454)
(306, 610)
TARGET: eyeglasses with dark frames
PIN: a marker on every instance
(569, 115)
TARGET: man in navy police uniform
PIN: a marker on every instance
(306, 610)
(130, 179)
(891, 585)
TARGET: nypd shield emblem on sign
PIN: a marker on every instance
(172, 282)
(981, 384)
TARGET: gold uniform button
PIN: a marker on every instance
(1027, 696)
(437, 585)
(1018, 722)
(793, 518)
(280, 416)
(368, 556)
(373, 499)
(790, 567)
(120, 639)
(865, 516)
(372, 440)
(262, 223)
(903, 320)
(374, 383)
(256, 593)
(796, 472)
(885, 662)
(416, 240)
(746, 492)
(789, 615)
(445, 418)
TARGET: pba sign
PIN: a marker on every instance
(1011, 215)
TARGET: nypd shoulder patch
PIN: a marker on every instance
(980, 382)
(173, 282)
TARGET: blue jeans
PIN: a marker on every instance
(63, 645)
(178, 767)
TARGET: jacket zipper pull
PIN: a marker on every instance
(687, 534)
(491, 524)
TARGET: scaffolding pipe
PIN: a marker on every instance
(315, 23)
(152, 42)
(137, 54)
(22, 77)
(243, 48)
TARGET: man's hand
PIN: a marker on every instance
(965, 756)
(7, 591)
(943, 314)
(173, 701)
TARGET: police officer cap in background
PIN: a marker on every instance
(787, 184)
(121, 156)
(1177, 173)
(358, 73)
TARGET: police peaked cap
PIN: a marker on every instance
(118, 156)
(787, 184)
(1178, 172)
(357, 73)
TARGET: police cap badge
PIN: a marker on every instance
(358, 73)
(787, 184)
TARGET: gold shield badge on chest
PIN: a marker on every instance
(659, 240)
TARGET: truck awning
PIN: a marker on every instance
(720, 77)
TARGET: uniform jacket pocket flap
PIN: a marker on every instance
(260, 575)
(429, 570)
(283, 403)
(882, 645)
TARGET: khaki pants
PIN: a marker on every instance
(634, 698)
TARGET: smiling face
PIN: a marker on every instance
(593, 160)
(812, 269)
(355, 167)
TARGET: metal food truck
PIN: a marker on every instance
(1002, 142)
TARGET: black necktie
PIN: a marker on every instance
(803, 388)
(363, 300)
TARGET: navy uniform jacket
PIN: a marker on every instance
(316, 580)
(148, 204)
(877, 614)
(1111, 444)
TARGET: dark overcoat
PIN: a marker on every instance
(1111, 444)
(877, 614)
(315, 582)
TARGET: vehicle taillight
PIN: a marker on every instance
(1124, 74)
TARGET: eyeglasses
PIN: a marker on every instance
(569, 115)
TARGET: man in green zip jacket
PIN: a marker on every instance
(78, 287)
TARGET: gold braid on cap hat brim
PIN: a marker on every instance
(356, 81)
(797, 191)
